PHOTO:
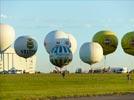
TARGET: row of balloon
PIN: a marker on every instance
(60, 46)
(104, 43)
(24, 46)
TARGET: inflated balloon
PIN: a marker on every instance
(73, 42)
(59, 38)
(127, 43)
(7, 36)
(25, 46)
(107, 40)
(60, 56)
(91, 52)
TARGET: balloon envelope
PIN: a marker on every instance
(91, 52)
(107, 40)
(60, 38)
(60, 56)
(127, 43)
(73, 42)
(25, 46)
(7, 36)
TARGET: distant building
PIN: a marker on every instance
(12, 63)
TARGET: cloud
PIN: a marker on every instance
(3, 16)
(88, 25)
(131, 20)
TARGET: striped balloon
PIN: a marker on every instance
(60, 56)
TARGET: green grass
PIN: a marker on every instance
(43, 86)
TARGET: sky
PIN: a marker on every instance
(81, 18)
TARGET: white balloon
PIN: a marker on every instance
(7, 36)
(91, 52)
(73, 42)
(60, 38)
(25, 46)
(60, 56)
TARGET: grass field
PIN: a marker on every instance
(45, 86)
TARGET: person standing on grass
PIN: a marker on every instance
(63, 74)
(128, 76)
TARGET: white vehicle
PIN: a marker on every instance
(119, 69)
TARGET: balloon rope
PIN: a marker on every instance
(3, 62)
(26, 62)
(12, 60)
(91, 69)
(0, 56)
(8, 60)
(104, 61)
(60, 70)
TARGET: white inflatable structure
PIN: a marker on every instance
(91, 52)
(7, 36)
(60, 38)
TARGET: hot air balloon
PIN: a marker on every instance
(25, 46)
(127, 43)
(107, 40)
(60, 38)
(7, 36)
(73, 42)
(91, 52)
(60, 56)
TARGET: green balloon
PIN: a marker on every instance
(127, 43)
(107, 40)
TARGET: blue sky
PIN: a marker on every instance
(82, 18)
